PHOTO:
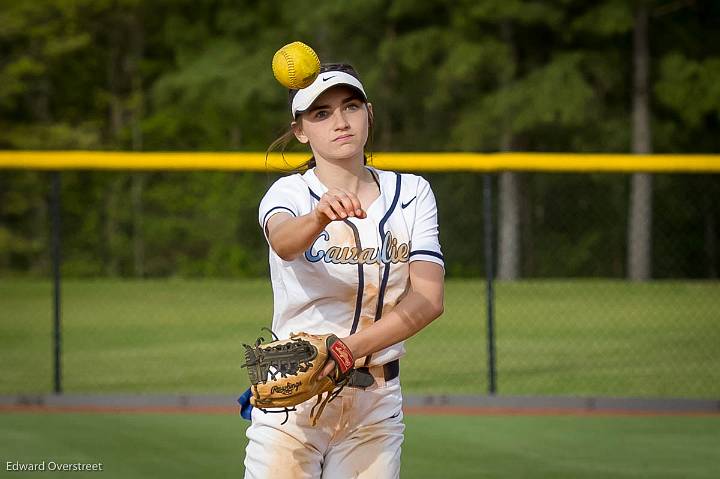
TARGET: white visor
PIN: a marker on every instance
(306, 96)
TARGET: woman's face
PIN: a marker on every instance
(335, 125)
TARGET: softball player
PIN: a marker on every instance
(354, 251)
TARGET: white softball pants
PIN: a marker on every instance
(358, 435)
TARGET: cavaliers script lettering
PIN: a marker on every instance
(390, 251)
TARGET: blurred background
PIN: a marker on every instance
(607, 283)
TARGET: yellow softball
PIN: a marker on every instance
(296, 65)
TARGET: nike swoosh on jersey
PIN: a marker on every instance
(405, 205)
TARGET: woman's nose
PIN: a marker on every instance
(341, 122)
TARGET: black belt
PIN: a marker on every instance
(391, 370)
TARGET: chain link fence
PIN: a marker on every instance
(165, 276)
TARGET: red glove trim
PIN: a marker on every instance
(342, 355)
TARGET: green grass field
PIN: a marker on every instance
(554, 447)
(582, 337)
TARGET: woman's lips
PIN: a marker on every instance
(343, 137)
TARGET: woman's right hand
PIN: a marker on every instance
(336, 205)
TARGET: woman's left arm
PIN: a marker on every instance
(420, 306)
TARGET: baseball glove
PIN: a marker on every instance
(284, 373)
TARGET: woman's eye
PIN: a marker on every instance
(321, 114)
(352, 106)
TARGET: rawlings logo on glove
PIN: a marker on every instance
(288, 389)
(284, 373)
(342, 355)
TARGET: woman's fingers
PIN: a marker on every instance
(342, 205)
(342, 202)
(348, 205)
(326, 210)
(329, 367)
(354, 205)
(332, 209)
(337, 204)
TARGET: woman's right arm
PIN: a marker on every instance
(290, 236)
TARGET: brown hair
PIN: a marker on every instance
(283, 140)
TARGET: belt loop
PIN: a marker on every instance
(391, 370)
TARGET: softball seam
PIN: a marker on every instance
(291, 68)
(312, 53)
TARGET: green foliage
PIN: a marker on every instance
(23, 211)
(685, 81)
(556, 94)
(611, 17)
(214, 88)
(522, 12)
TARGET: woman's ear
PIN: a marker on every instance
(297, 130)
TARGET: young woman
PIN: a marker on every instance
(354, 251)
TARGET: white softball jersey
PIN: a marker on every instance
(356, 269)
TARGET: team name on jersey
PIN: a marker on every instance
(390, 251)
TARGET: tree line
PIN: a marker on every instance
(498, 75)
